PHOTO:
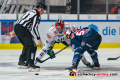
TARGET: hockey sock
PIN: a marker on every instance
(76, 58)
(93, 55)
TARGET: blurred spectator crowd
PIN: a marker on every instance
(61, 6)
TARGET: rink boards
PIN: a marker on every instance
(57, 46)
(109, 30)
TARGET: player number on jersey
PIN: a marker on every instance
(80, 32)
(41, 54)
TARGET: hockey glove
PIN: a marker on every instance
(51, 54)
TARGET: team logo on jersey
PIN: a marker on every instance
(72, 74)
(55, 32)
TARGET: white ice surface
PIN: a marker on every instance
(53, 69)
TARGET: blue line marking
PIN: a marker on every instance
(70, 20)
(82, 20)
(8, 20)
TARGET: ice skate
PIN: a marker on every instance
(33, 68)
(95, 65)
(72, 68)
(22, 65)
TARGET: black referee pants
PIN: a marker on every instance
(29, 45)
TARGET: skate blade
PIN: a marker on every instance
(34, 70)
(22, 67)
(78, 70)
(97, 68)
(75, 70)
(91, 69)
(67, 71)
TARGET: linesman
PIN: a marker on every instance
(25, 28)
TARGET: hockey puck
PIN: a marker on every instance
(36, 73)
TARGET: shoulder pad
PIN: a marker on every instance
(53, 31)
(66, 24)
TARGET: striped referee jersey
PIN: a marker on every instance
(30, 20)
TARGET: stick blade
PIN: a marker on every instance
(113, 58)
(39, 60)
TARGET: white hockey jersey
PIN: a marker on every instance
(53, 35)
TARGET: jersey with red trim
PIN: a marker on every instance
(84, 34)
(53, 35)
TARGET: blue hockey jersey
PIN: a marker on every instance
(81, 35)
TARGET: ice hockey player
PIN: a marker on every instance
(56, 35)
(85, 39)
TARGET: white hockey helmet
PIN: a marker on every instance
(68, 33)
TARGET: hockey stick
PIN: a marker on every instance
(113, 58)
(41, 61)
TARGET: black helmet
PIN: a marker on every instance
(40, 4)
